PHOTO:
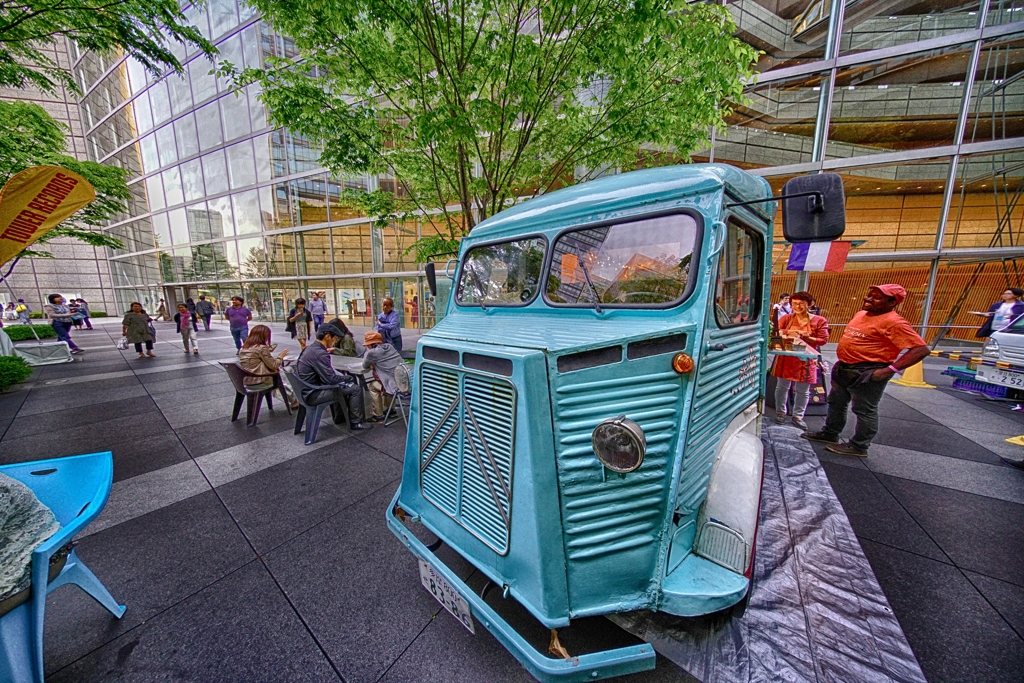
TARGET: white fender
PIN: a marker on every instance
(727, 523)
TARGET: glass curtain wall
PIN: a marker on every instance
(927, 136)
(222, 204)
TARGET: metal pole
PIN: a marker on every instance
(926, 312)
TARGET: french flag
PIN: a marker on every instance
(818, 256)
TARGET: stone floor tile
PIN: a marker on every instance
(148, 564)
(238, 629)
(1005, 598)
(955, 634)
(89, 417)
(995, 481)
(280, 502)
(357, 587)
(37, 406)
(876, 515)
(977, 533)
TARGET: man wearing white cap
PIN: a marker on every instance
(869, 356)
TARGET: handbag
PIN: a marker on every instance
(152, 330)
(121, 344)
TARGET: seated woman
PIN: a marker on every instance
(257, 357)
(347, 345)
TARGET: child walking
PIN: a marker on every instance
(184, 321)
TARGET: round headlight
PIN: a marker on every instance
(991, 349)
(619, 444)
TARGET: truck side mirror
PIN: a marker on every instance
(431, 278)
(813, 208)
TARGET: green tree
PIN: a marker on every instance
(143, 29)
(476, 104)
(30, 137)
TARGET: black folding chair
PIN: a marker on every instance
(253, 397)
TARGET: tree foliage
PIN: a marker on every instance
(476, 104)
(30, 137)
(141, 28)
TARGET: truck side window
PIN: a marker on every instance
(737, 290)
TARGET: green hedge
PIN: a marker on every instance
(19, 333)
(98, 314)
(36, 314)
(13, 369)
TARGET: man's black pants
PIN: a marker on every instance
(865, 397)
(352, 394)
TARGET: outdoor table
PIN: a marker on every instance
(354, 366)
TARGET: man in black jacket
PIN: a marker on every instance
(314, 368)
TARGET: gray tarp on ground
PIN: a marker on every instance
(816, 613)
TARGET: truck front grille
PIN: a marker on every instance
(467, 444)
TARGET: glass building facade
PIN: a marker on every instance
(918, 105)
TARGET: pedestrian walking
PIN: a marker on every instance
(76, 316)
(318, 307)
(204, 309)
(238, 317)
(191, 306)
(1002, 313)
(184, 322)
(60, 316)
(23, 312)
(388, 324)
(869, 355)
(83, 308)
(812, 330)
(299, 322)
(161, 311)
(136, 326)
(257, 357)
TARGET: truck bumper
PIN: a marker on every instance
(589, 667)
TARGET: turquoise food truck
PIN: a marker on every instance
(585, 421)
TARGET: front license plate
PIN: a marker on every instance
(446, 595)
(1004, 377)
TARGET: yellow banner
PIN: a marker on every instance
(34, 202)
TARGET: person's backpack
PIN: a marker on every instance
(21, 308)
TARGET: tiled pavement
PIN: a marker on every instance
(244, 555)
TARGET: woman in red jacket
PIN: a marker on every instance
(796, 372)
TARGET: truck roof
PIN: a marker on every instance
(607, 196)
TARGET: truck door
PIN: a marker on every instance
(731, 366)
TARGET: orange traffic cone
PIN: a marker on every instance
(914, 377)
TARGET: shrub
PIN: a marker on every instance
(36, 314)
(13, 369)
(19, 333)
(97, 314)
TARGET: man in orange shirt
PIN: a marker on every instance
(869, 355)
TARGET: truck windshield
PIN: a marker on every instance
(641, 263)
(504, 274)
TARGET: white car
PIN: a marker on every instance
(1006, 345)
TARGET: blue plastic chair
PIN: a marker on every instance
(75, 489)
(310, 414)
